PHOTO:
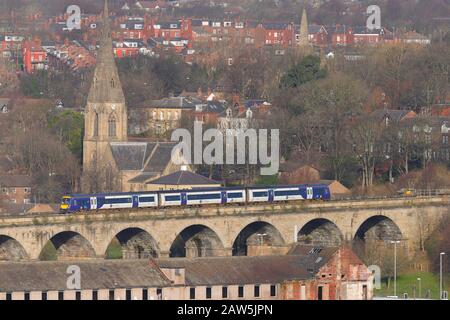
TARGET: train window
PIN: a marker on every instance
(207, 196)
(147, 199)
(233, 195)
(287, 193)
(260, 194)
(118, 200)
(173, 198)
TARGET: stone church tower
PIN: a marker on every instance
(111, 160)
(105, 113)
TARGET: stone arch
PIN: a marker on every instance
(11, 249)
(255, 236)
(132, 243)
(197, 241)
(378, 228)
(67, 245)
(320, 232)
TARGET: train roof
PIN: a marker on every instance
(87, 195)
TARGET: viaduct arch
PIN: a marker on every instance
(199, 232)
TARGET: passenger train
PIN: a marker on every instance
(194, 197)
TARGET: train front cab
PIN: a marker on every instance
(65, 204)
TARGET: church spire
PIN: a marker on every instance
(106, 86)
(304, 34)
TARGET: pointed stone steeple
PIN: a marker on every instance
(105, 117)
(106, 86)
(304, 34)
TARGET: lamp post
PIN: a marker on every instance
(395, 266)
(420, 288)
(440, 274)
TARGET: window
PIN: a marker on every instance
(241, 291)
(44, 295)
(161, 115)
(26, 296)
(128, 294)
(273, 290)
(192, 293)
(78, 295)
(224, 292)
(111, 294)
(208, 292)
(256, 291)
(144, 294)
(159, 293)
(96, 124)
(173, 198)
(112, 126)
(445, 139)
(8, 296)
(60, 295)
(95, 295)
(234, 195)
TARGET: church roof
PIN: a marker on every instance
(106, 86)
(160, 157)
(184, 178)
(129, 155)
(148, 157)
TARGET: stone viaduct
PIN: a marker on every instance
(209, 231)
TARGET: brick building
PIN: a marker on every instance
(34, 56)
(16, 188)
(306, 273)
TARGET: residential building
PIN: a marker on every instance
(365, 36)
(161, 116)
(11, 46)
(16, 188)
(34, 57)
(294, 172)
(412, 37)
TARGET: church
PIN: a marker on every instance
(111, 160)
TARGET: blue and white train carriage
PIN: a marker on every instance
(194, 197)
